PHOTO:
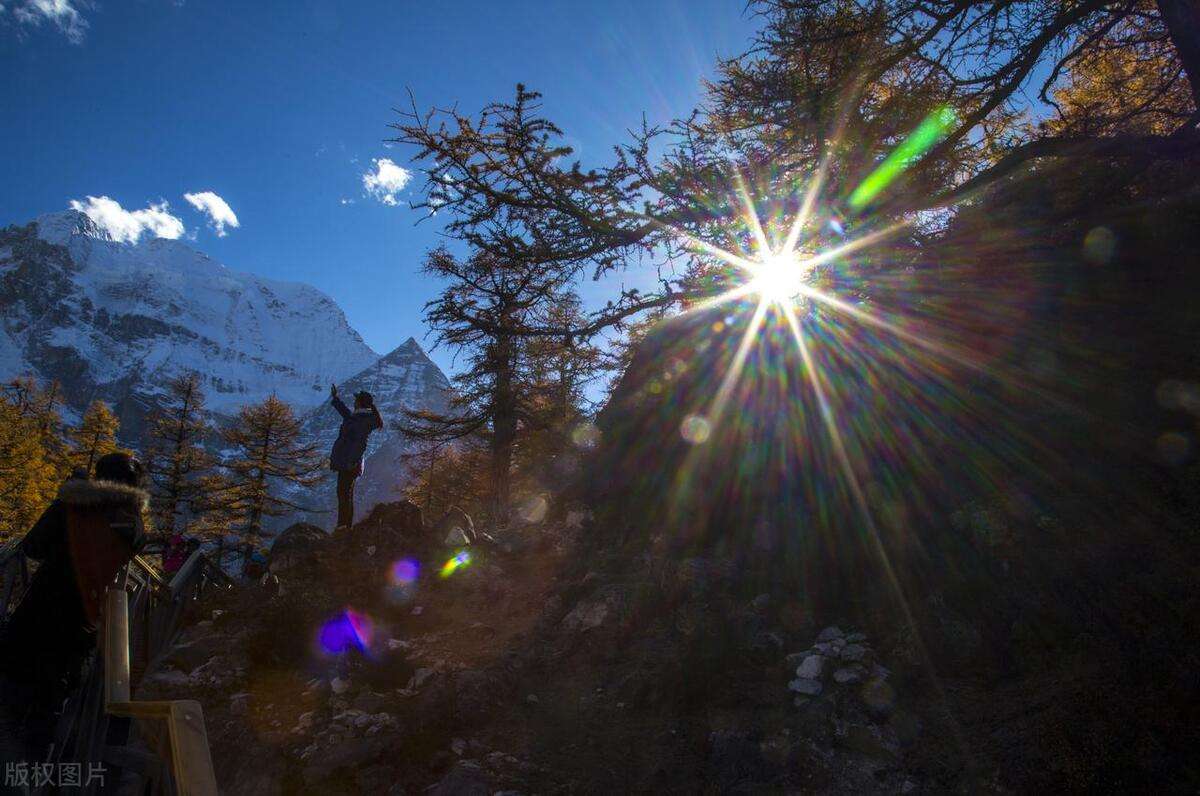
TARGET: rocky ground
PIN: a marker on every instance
(551, 664)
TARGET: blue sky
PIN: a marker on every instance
(279, 108)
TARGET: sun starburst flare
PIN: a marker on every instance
(780, 279)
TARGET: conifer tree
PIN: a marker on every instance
(31, 454)
(176, 459)
(270, 458)
(95, 436)
(480, 313)
(448, 474)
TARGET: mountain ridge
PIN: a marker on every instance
(115, 321)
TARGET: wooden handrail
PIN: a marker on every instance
(183, 577)
(191, 760)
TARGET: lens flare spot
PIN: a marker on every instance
(1099, 245)
(534, 509)
(405, 572)
(932, 129)
(586, 436)
(348, 630)
(461, 559)
(695, 429)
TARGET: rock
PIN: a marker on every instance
(455, 520)
(458, 746)
(418, 610)
(172, 678)
(796, 658)
(350, 753)
(188, 657)
(853, 653)
(761, 602)
(856, 638)
(850, 674)
(465, 779)
(586, 616)
(830, 633)
(239, 704)
(339, 686)
(369, 702)
(419, 677)
(811, 668)
(767, 641)
(457, 537)
(304, 722)
(806, 686)
(878, 696)
(301, 541)
(532, 699)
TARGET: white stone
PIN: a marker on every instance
(830, 633)
(811, 668)
(805, 686)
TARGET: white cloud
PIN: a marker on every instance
(220, 214)
(386, 180)
(129, 226)
(65, 14)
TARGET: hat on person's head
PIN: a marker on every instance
(364, 398)
(124, 468)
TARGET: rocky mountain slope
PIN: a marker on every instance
(115, 321)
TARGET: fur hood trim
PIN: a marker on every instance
(78, 492)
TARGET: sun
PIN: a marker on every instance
(780, 278)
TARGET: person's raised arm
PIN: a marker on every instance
(338, 403)
(378, 417)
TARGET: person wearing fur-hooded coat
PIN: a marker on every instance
(80, 543)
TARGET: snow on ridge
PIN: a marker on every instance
(142, 312)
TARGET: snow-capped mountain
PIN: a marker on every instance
(116, 321)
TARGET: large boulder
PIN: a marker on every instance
(299, 542)
(389, 527)
(455, 528)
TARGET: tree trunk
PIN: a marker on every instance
(1183, 23)
(504, 432)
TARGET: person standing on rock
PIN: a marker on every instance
(346, 458)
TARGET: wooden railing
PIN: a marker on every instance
(187, 741)
(142, 617)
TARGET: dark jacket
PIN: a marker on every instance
(351, 444)
(80, 543)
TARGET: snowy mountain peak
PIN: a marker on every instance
(60, 227)
(117, 320)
